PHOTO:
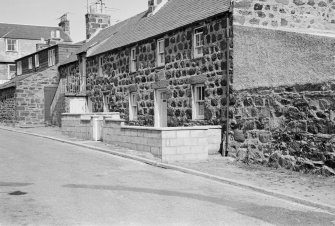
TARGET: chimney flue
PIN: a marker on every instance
(65, 24)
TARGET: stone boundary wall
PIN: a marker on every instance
(304, 15)
(272, 58)
(288, 126)
(170, 144)
(75, 125)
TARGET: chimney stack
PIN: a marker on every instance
(96, 19)
(65, 24)
(152, 5)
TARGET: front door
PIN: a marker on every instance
(161, 100)
(49, 94)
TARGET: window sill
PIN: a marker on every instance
(199, 119)
(198, 57)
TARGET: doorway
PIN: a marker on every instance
(49, 94)
(161, 108)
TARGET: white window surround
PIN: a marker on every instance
(100, 63)
(198, 42)
(105, 102)
(160, 53)
(30, 63)
(12, 45)
(133, 60)
(37, 60)
(198, 102)
(11, 70)
(132, 107)
(19, 68)
(51, 57)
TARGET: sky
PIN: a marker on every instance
(47, 12)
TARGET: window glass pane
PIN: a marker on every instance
(201, 108)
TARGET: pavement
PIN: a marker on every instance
(307, 189)
(47, 182)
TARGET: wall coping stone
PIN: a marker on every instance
(166, 128)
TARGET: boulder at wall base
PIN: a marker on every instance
(305, 165)
(287, 161)
(274, 159)
(241, 154)
(327, 171)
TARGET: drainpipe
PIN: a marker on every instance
(228, 86)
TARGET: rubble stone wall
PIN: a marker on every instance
(307, 15)
(7, 105)
(293, 126)
(117, 82)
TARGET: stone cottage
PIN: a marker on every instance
(27, 98)
(165, 67)
(284, 83)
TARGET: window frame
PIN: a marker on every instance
(15, 46)
(160, 53)
(100, 63)
(37, 60)
(133, 106)
(105, 100)
(9, 76)
(198, 32)
(133, 60)
(197, 102)
(19, 68)
(30, 63)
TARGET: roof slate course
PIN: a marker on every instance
(19, 31)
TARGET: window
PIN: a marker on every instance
(57, 34)
(30, 63)
(133, 60)
(198, 42)
(37, 60)
(19, 68)
(199, 102)
(160, 53)
(51, 57)
(11, 70)
(11, 45)
(133, 107)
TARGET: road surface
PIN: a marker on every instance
(45, 182)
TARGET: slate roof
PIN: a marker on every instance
(19, 31)
(174, 14)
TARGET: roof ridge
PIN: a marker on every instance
(31, 25)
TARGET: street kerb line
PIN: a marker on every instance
(188, 171)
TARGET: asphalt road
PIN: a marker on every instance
(60, 184)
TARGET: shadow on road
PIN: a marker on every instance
(272, 214)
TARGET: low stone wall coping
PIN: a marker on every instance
(166, 128)
(114, 120)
